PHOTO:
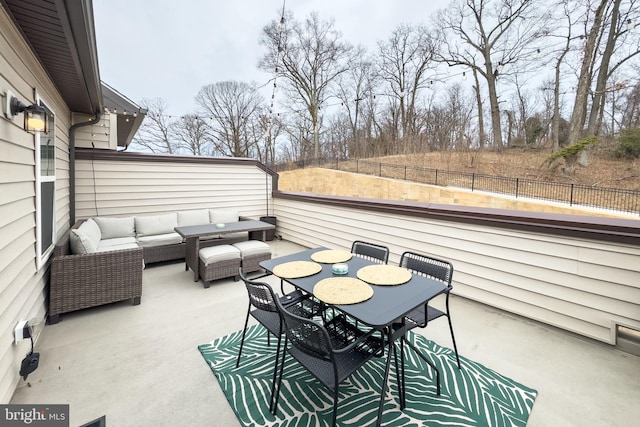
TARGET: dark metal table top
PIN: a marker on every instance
(231, 227)
(388, 303)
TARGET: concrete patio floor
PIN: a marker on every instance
(139, 365)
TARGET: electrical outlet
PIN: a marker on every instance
(22, 330)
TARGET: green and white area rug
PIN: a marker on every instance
(472, 396)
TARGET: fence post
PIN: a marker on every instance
(473, 181)
(436, 177)
(405, 172)
(571, 196)
(337, 164)
(517, 186)
(380, 169)
(357, 166)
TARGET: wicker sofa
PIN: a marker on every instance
(100, 260)
(88, 280)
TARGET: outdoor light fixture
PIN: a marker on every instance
(35, 116)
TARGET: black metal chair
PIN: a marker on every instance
(436, 269)
(263, 299)
(330, 352)
(370, 251)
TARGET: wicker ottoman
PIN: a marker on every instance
(252, 253)
(218, 262)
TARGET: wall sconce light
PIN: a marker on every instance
(35, 116)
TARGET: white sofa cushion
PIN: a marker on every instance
(114, 247)
(86, 238)
(199, 217)
(117, 241)
(159, 240)
(252, 248)
(219, 253)
(156, 224)
(223, 216)
(112, 228)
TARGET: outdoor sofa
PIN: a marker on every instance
(100, 260)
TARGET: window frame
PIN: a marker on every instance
(43, 254)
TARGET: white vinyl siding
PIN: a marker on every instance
(101, 135)
(114, 188)
(583, 286)
(22, 281)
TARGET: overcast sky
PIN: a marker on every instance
(169, 49)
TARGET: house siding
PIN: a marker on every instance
(22, 282)
(586, 286)
(124, 184)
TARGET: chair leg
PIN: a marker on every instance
(399, 373)
(429, 362)
(335, 405)
(403, 395)
(244, 331)
(274, 410)
(275, 371)
(453, 338)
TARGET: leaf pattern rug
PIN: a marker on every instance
(472, 396)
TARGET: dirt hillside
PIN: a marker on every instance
(603, 169)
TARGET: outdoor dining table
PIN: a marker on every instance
(193, 233)
(383, 311)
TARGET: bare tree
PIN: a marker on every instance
(405, 58)
(489, 36)
(156, 132)
(631, 107)
(355, 90)
(231, 107)
(449, 124)
(193, 135)
(618, 49)
(312, 57)
(578, 115)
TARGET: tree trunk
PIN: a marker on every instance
(495, 107)
(601, 83)
(481, 131)
(584, 80)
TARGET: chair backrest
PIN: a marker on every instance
(425, 265)
(306, 335)
(261, 295)
(370, 251)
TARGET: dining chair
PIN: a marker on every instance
(263, 300)
(371, 251)
(331, 352)
(437, 269)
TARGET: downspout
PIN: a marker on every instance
(72, 164)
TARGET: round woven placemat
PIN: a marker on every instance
(331, 256)
(342, 290)
(385, 275)
(295, 269)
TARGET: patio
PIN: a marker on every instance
(140, 365)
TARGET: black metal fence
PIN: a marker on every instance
(572, 194)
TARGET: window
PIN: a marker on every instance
(45, 189)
